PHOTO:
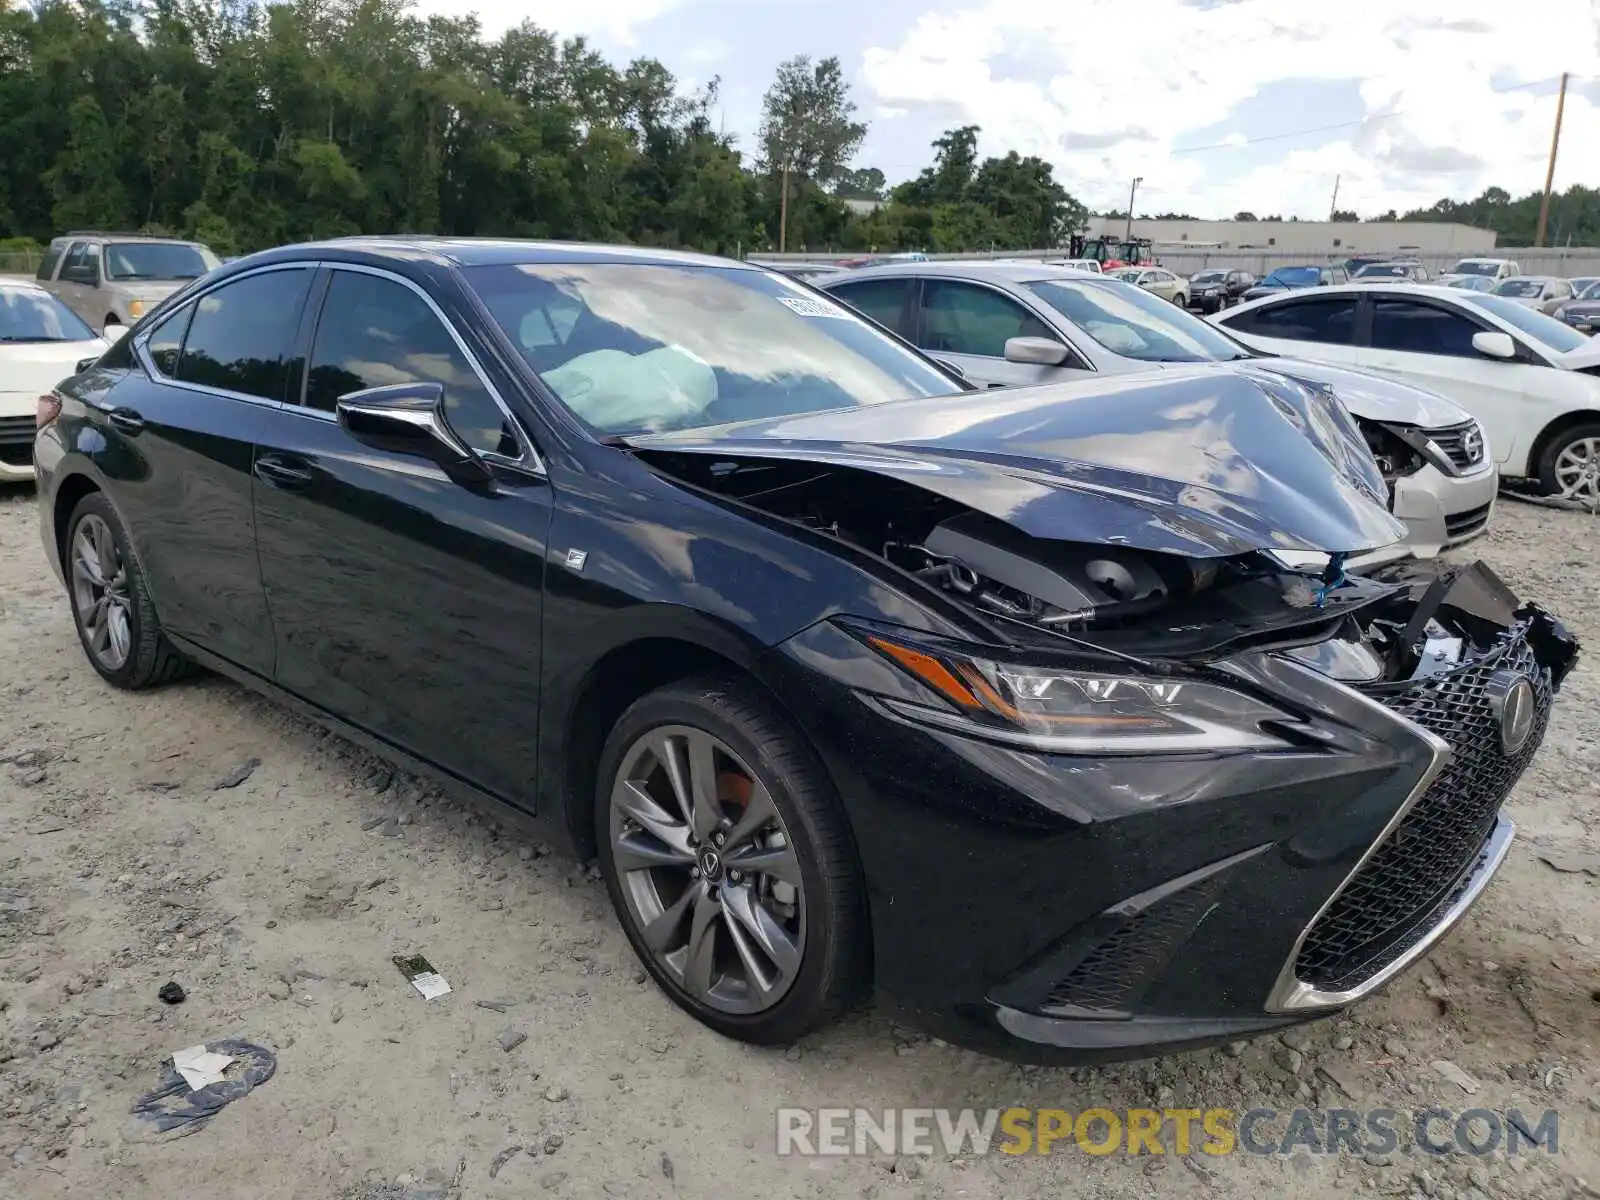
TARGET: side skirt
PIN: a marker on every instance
(536, 826)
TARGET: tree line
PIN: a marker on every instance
(247, 124)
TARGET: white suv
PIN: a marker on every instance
(1533, 382)
(112, 279)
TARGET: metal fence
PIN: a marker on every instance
(1564, 263)
(19, 262)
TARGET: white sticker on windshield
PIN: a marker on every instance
(806, 306)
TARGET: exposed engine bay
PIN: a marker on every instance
(1116, 598)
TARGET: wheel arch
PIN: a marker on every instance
(577, 720)
(1547, 435)
(69, 494)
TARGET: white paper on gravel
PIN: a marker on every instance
(200, 1067)
(430, 984)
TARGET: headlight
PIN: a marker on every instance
(136, 308)
(1561, 313)
(1077, 712)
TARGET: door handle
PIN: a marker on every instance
(126, 419)
(282, 473)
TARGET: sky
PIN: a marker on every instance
(1219, 105)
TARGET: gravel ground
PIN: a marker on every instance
(278, 903)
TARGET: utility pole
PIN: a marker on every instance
(1550, 171)
(783, 209)
(1334, 207)
(1127, 233)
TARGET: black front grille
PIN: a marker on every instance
(16, 430)
(1453, 441)
(1418, 868)
(1458, 525)
(1110, 978)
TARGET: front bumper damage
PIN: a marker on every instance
(1057, 908)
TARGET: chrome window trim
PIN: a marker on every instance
(141, 340)
(528, 460)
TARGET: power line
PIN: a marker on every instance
(1237, 143)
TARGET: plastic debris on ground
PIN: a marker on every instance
(428, 982)
(176, 1106)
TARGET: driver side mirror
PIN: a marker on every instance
(1035, 351)
(409, 418)
(1494, 344)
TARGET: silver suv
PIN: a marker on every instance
(112, 279)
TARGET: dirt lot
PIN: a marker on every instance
(278, 903)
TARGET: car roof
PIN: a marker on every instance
(101, 235)
(1010, 272)
(1535, 279)
(1357, 288)
(481, 252)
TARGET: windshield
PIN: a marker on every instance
(1473, 283)
(163, 261)
(1208, 277)
(1553, 333)
(1528, 288)
(1477, 266)
(635, 348)
(30, 316)
(1592, 292)
(1292, 277)
(1384, 270)
(1135, 324)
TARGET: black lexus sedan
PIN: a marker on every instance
(1002, 702)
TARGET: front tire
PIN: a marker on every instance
(111, 607)
(730, 863)
(1570, 465)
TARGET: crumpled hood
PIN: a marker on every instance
(1374, 397)
(1211, 461)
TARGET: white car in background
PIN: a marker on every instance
(41, 343)
(1494, 269)
(1005, 324)
(1532, 381)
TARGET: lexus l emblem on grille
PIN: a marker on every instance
(1472, 445)
(1512, 701)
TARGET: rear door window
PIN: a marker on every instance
(1330, 320)
(242, 334)
(886, 301)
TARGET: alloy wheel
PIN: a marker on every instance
(708, 870)
(1577, 470)
(100, 593)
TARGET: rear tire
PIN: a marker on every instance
(1572, 461)
(111, 607)
(779, 959)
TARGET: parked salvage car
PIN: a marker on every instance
(1391, 272)
(1212, 291)
(41, 343)
(1543, 292)
(1533, 381)
(112, 279)
(848, 674)
(1583, 311)
(1004, 325)
(1289, 279)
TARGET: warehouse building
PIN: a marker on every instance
(1318, 238)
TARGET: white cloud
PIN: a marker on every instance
(1105, 88)
(615, 21)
